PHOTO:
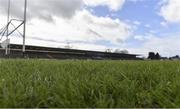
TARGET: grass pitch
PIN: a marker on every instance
(52, 83)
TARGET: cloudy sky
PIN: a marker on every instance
(139, 26)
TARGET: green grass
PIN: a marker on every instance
(52, 83)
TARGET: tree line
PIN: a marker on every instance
(157, 56)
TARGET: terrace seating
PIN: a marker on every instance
(60, 53)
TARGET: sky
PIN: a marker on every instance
(139, 26)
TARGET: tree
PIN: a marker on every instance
(151, 55)
(177, 56)
(154, 56)
(157, 56)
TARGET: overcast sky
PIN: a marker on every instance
(139, 26)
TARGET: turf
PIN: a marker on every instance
(103, 84)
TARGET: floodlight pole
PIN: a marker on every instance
(24, 31)
(9, 4)
(8, 16)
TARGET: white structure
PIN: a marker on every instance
(5, 31)
(5, 44)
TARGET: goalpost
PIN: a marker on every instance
(5, 31)
(24, 31)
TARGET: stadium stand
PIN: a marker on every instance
(61, 53)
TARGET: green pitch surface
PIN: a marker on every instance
(51, 83)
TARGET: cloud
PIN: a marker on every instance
(147, 25)
(145, 37)
(84, 26)
(113, 5)
(61, 44)
(136, 0)
(164, 24)
(45, 9)
(166, 45)
(139, 37)
(48, 9)
(72, 23)
(137, 23)
(170, 10)
(3, 21)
